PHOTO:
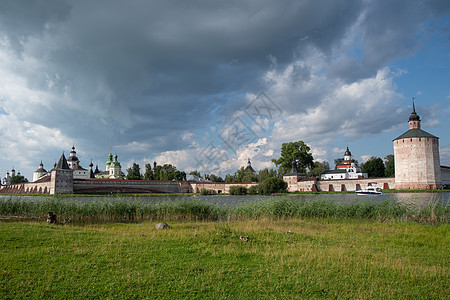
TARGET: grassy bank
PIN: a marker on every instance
(115, 209)
(319, 258)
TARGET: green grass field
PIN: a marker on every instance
(322, 258)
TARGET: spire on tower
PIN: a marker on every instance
(414, 116)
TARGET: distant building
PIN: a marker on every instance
(113, 169)
(347, 169)
(7, 178)
(74, 164)
(416, 154)
(249, 167)
(195, 178)
(293, 177)
(39, 172)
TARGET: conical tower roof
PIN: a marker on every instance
(62, 163)
(249, 167)
(294, 170)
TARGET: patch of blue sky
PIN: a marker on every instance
(428, 71)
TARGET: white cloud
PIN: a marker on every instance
(24, 144)
(365, 107)
(365, 158)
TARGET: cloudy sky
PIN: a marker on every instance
(207, 84)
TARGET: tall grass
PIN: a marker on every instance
(117, 210)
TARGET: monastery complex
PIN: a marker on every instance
(417, 166)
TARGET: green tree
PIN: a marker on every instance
(374, 167)
(177, 175)
(390, 165)
(205, 192)
(134, 173)
(229, 178)
(253, 190)
(272, 185)
(18, 179)
(195, 173)
(337, 162)
(266, 173)
(244, 176)
(148, 175)
(318, 169)
(300, 151)
(168, 172)
(214, 178)
(238, 190)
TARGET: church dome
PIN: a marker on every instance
(41, 168)
(414, 116)
(73, 156)
(110, 157)
(115, 163)
(347, 153)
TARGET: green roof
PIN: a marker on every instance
(415, 133)
(115, 164)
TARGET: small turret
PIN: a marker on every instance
(347, 155)
(73, 160)
(91, 171)
(249, 167)
(414, 119)
(109, 162)
(294, 169)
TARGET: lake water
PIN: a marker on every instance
(419, 199)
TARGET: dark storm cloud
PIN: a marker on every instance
(128, 66)
(22, 19)
(114, 72)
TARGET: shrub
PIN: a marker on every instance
(238, 190)
(253, 190)
(205, 192)
(272, 185)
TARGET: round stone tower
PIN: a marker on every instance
(416, 152)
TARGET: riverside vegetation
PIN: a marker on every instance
(296, 249)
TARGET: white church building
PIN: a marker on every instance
(347, 169)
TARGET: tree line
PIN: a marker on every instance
(165, 172)
(297, 151)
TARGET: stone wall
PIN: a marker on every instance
(27, 188)
(61, 181)
(356, 184)
(417, 164)
(218, 187)
(445, 175)
(89, 186)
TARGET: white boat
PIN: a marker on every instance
(371, 190)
